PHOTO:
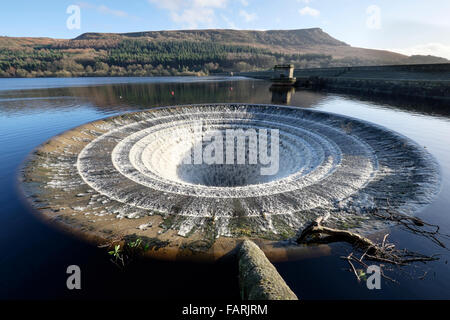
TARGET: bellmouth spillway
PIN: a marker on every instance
(128, 174)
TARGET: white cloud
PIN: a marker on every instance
(107, 10)
(229, 23)
(434, 49)
(175, 5)
(118, 13)
(191, 13)
(168, 4)
(248, 17)
(194, 16)
(210, 3)
(244, 3)
(308, 11)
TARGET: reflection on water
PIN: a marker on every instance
(35, 110)
(282, 95)
(136, 96)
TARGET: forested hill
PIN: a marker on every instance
(184, 52)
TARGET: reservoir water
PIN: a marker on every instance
(35, 255)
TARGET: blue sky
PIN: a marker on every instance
(406, 26)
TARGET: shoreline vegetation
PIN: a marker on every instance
(185, 53)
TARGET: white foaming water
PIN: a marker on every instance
(327, 163)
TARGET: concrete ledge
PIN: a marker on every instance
(258, 278)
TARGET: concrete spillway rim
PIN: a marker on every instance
(334, 115)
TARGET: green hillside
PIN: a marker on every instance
(184, 52)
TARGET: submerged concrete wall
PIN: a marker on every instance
(258, 278)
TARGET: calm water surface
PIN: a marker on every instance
(34, 256)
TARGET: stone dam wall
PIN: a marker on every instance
(431, 81)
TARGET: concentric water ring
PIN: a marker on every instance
(133, 166)
(149, 152)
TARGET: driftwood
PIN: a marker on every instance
(334, 235)
(384, 252)
(412, 224)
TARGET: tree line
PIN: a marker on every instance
(140, 57)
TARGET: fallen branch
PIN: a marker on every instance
(384, 252)
(349, 259)
(334, 235)
(412, 224)
(361, 262)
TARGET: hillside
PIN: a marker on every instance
(185, 52)
(278, 38)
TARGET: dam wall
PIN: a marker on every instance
(431, 81)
